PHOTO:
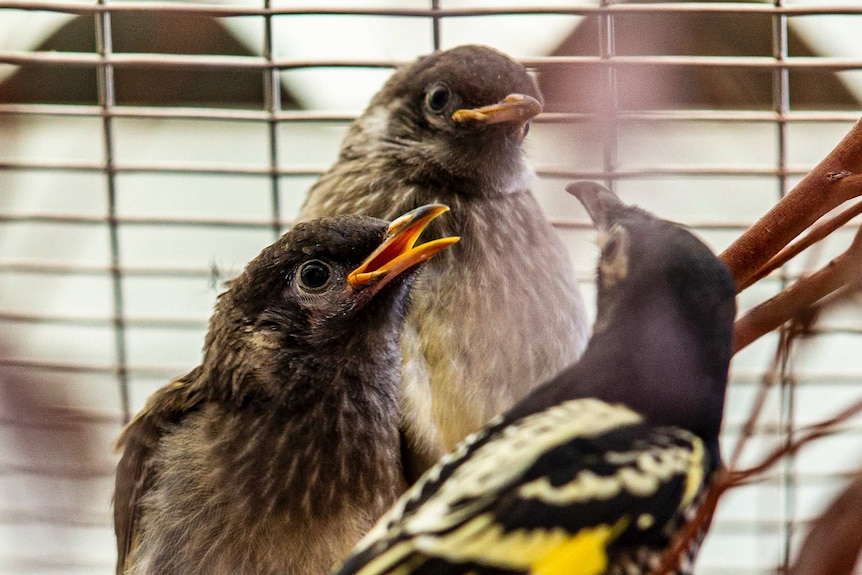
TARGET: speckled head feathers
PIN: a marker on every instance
(477, 75)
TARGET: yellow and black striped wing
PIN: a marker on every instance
(575, 489)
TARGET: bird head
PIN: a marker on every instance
(666, 303)
(459, 115)
(325, 287)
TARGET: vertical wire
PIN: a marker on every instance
(435, 24)
(272, 103)
(107, 100)
(607, 50)
(781, 105)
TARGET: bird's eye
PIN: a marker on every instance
(611, 247)
(437, 97)
(313, 276)
(525, 129)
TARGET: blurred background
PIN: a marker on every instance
(148, 150)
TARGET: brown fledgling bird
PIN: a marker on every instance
(500, 312)
(282, 448)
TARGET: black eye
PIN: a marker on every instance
(525, 129)
(437, 97)
(611, 248)
(313, 275)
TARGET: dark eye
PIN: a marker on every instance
(437, 97)
(611, 248)
(525, 129)
(313, 275)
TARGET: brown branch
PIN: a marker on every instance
(727, 479)
(808, 434)
(816, 234)
(832, 182)
(802, 295)
(692, 529)
(782, 351)
(833, 544)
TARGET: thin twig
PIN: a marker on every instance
(808, 434)
(766, 383)
(802, 295)
(727, 479)
(693, 528)
(815, 234)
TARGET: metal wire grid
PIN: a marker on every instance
(105, 61)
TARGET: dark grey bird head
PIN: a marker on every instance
(325, 287)
(666, 307)
(453, 119)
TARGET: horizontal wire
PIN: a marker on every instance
(78, 517)
(257, 63)
(742, 378)
(309, 171)
(321, 116)
(172, 322)
(165, 372)
(197, 323)
(581, 10)
(51, 563)
(200, 323)
(181, 113)
(142, 221)
(217, 273)
(561, 223)
(99, 470)
(196, 61)
(53, 515)
(119, 167)
(173, 272)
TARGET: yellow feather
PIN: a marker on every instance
(694, 478)
(583, 554)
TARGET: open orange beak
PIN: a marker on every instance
(514, 108)
(398, 251)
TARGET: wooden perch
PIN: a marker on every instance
(813, 236)
(832, 182)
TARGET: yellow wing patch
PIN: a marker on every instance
(583, 554)
(695, 476)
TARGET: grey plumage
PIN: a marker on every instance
(500, 312)
(279, 451)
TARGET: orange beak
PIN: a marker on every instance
(514, 108)
(398, 251)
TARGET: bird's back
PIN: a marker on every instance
(584, 488)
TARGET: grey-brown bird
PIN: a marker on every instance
(501, 311)
(280, 450)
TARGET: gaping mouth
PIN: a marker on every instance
(398, 251)
(517, 108)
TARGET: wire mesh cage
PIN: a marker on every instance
(149, 150)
